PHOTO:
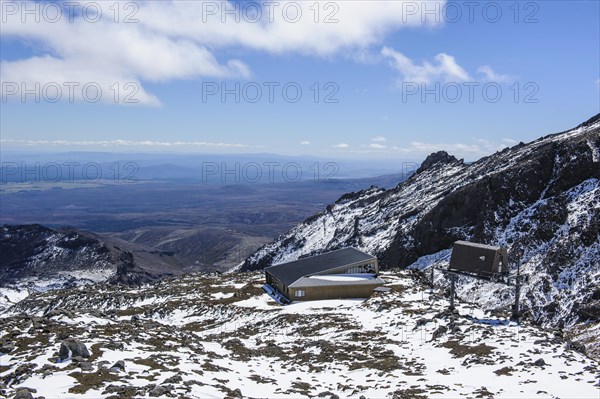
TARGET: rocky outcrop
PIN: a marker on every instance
(63, 257)
(33, 250)
(440, 157)
(129, 273)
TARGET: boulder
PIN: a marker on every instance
(160, 391)
(86, 366)
(71, 347)
(440, 331)
(176, 379)
(118, 366)
(576, 346)
(6, 347)
(23, 393)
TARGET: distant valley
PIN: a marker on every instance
(185, 226)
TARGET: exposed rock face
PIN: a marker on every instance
(70, 348)
(55, 258)
(541, 200)
(129, 273)
(440, 157)
(33, 250)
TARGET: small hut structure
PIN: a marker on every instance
(478, 260)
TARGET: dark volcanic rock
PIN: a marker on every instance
(118, 366)
(71, 348)
(440, 331)
(129, 273)
(24, 393)
(160, 391)
(576, 346)
(6, 347)
(44, 253)
(86, 366)
(36, 250)
(440, 157)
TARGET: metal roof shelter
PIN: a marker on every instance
(479, 259)
(344, 273)
(484, 262)
(289, 272)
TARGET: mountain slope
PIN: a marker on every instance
(201, 336)
(541, 200)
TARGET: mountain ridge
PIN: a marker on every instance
(540, 199)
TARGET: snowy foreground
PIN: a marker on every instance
(215, 336)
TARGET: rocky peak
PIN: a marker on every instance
(435, 158)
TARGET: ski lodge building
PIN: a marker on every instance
(344, 273)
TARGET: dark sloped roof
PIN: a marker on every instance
(476, 245)
(289, 272)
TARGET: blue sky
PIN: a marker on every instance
(374, 63)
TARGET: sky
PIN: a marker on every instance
(338, 79)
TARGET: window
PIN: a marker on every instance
(368, 268)
(299, 293)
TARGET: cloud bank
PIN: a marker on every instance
(163, 41)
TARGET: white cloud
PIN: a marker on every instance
(443, 68)
(378, 139)
(175, 40)
(352, 25)
(492, 76)
(123, 143)
(510, 141)
(305, 142)
(341, 146)
(471, 151)
(459, 148)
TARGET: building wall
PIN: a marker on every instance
(278, 285)
(334, 292)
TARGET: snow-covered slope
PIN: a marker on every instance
(203, 336)
(541, 200)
